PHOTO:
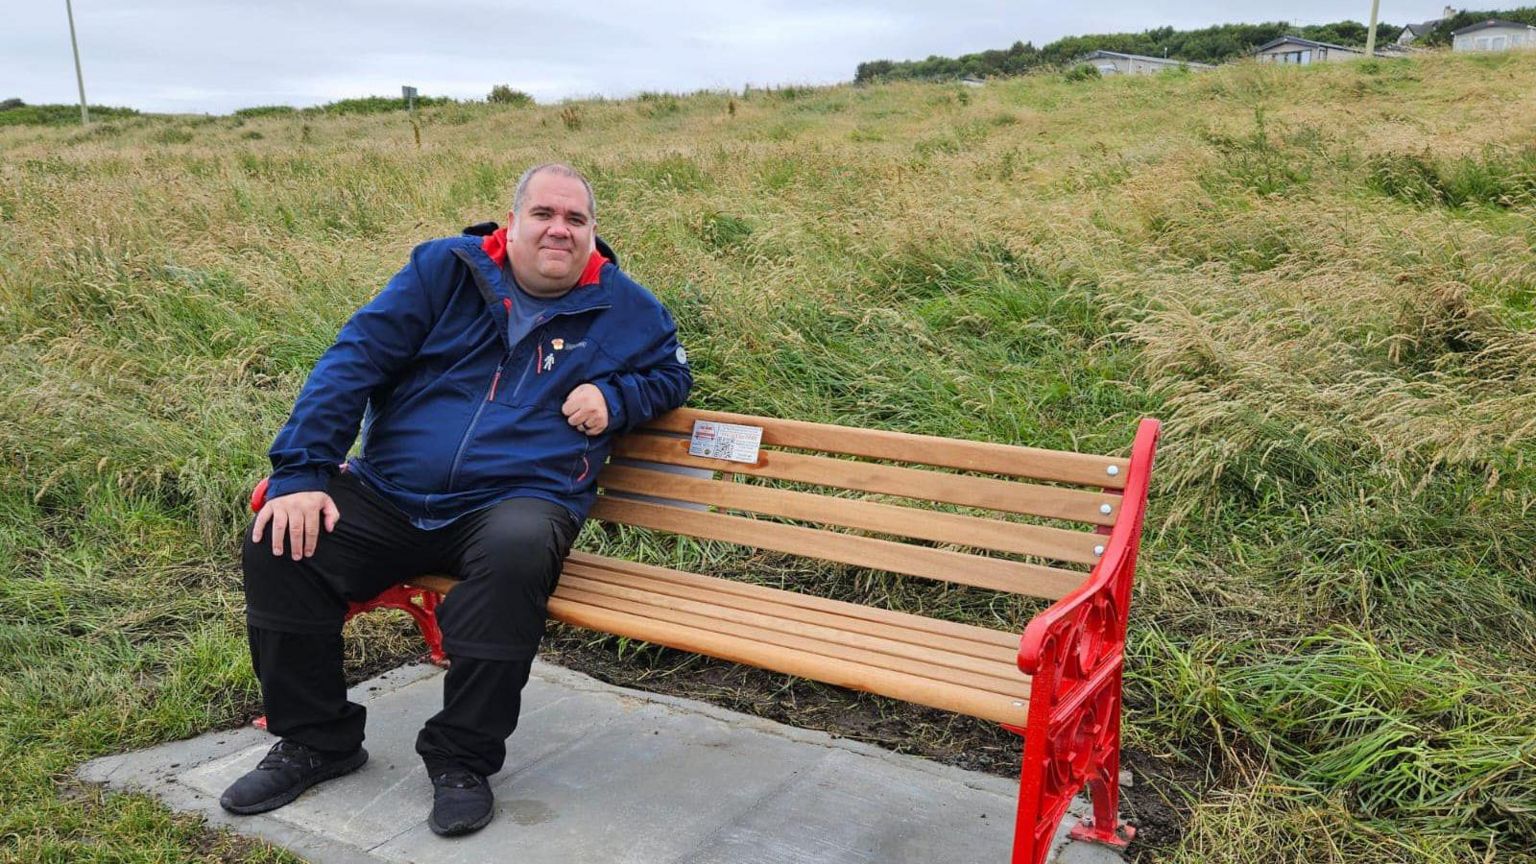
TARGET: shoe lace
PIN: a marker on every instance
(459, 779)
(285, 754)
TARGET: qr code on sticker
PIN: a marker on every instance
(729, 441)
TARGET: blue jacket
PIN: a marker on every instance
(454, 417)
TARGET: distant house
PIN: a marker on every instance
(1414, 32)
(1115, 63)
(1494, 35)
(1294, 49)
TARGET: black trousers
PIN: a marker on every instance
(508, 558)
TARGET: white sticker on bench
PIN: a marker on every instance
(728, 441)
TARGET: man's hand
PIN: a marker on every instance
(586, 409)
(297, 517)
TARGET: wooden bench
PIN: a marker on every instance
(905, 504)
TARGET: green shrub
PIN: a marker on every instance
(376, 105)
(21, 114)
(265, 111)
(1083, 72)
(790, 93)
(656, 105)
(502, 94)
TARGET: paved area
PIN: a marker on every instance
(602, 774)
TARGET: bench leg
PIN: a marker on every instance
(426, 622)
(1039, 812)
(1104, 773)
(1104, 786)
(1062, 757)
(421, 605)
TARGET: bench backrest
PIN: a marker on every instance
(986, 480)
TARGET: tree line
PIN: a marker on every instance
(15, 112)
(1216, 44)
(1441, 35)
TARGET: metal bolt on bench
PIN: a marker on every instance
(1057, 685)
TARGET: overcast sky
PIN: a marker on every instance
(213, 56)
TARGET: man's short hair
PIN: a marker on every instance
(561, 169)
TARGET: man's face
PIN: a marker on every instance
(554, 235)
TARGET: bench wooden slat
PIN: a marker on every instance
(1083, 469)
(716, 620)
(1036, 580)
(961, 638)
(766, 617)
(781, 604)
(985, 639)
(1050, 502)
(1035, 540)
(434, 582)
(886, 682)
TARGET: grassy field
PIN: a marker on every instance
(1321, 279)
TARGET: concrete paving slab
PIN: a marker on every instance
(369, 807)
(852, 808)
(600, 773)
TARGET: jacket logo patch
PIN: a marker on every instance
(557, 343)
(549, 362)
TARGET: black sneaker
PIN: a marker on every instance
(462, 803)
(287, 770)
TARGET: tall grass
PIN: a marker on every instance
(1336, 622)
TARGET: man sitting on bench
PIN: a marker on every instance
(489, 378)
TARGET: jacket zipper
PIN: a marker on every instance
(488, 293)
(586, 466)
(458, 456)
(490, 394)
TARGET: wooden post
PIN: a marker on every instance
(1370, 35)
(85, 114)
(409, 94)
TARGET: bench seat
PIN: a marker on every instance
(957, 667)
